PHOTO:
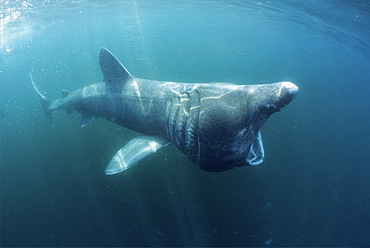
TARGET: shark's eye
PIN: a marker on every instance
(270, 108)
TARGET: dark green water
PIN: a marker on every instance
(313, 188)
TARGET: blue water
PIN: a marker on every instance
(313, 188)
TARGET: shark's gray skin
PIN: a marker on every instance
(216, 125)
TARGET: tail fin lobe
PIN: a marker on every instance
(45, 103)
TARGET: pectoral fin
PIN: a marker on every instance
(134, 151)
(256, 153)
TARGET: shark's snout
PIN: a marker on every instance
(286, 93)
(289, 89)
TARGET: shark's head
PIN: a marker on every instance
(230, 136)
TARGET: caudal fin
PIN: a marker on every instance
(45, 103)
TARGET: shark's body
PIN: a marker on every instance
(216, 125)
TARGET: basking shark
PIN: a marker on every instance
(216, 125)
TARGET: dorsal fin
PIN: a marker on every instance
(115, 74)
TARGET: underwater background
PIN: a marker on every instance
(313, 188)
